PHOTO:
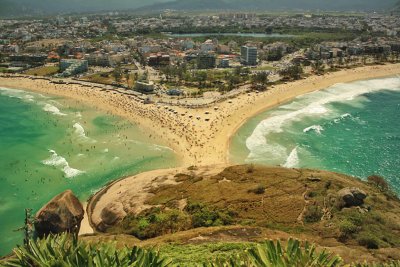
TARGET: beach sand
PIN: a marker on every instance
(198, 136)
(195, 140)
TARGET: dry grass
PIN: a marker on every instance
(43, 71)
(277, 213)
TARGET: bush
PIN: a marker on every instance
(156, 222)
(204, 216)
(260, 189)
(347, 229)
(368, 240)
(379, 182)
(250, 168)
(313, 214)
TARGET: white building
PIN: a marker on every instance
(248, 55)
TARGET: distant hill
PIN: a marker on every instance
(257, 5)
(10, 8)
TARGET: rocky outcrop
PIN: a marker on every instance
(110, 215)
(63, 213)
(351, 197)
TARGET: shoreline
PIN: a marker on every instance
(287, 100)
(199, 136)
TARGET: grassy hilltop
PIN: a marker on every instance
(206, 215)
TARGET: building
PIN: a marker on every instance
(207, 46)
(70, 67)
(145, 87)
(248, 55)
(28, 59)
(157, 60)
(206, 61)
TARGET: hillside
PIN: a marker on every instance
(212, 206)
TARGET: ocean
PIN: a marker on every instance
(50, 144)
(351, 128)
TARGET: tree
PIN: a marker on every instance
(201, 77)
(292, 72)
(259, 80)
(117, 73)
(318, 66)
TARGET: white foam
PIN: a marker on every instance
(317, 128)
(292, 160)
(80, 131)
(105, 150)
(58, 161)
(308, 105)
(30, 98)
(343, 116)
(53, 109)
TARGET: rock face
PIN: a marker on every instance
(351, 197)
(63, 213)
(111, 214)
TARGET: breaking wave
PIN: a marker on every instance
(292, 160)
(60, 162)
(80, 131)
(317, 128)
(53, 109)
(311, 105)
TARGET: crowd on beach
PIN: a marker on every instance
(199, 136)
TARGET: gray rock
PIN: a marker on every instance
(351, 197)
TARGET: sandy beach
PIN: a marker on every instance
(198, 136)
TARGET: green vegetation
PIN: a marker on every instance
(370, 229)
(193, 255)
(158, 222)
(64, 250)
(205, 80)
(313, 214)
(43, 71)
(293, 72)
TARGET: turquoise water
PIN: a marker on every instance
(351, 128)
(50, 144)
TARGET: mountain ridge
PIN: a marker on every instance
(20, 8)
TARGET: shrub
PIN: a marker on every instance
(260, 189)
(368, 240)
(156, 222)
(313, 214)
(204, 216)
(250, 168)
(379, 182)
(328, 184)
(347, 229)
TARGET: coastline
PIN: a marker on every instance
(198, 136)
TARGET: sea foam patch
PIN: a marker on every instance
(80, 132)
(53, 109)
(60, 162)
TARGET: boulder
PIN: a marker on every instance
(63, 213)
(111, 214)
(351, 197)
